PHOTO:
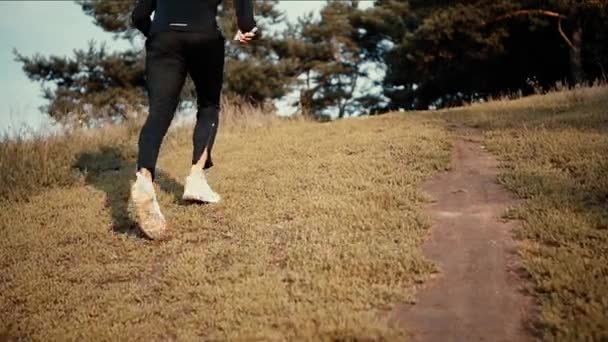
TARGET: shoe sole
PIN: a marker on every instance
(189, 198)
(150, 219)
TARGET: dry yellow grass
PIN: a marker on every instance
(32, 162)
(318, 233)
(554, 153)
(317, 236)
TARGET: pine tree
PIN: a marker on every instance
(444, 52)
(328, 57)
(576, 14)
(255, 72)
(94, 85)
(380, 29)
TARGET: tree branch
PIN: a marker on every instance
(546, 13)
(561, 31)
(531, 12)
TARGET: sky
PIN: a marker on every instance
(57, 28)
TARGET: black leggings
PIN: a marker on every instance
(170, 55)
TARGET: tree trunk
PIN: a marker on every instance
(575, 21)
(306, 102)
(341, 109)
(576, 56)
(576, 50)
(306, 98)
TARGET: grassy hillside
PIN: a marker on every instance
(554, 153)
(316, 237)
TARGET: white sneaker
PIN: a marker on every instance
(150, 218)
(197, 189)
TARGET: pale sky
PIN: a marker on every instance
(57, 28)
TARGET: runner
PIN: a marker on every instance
(183, 38)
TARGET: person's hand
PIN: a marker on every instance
(244, 38)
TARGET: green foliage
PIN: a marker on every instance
(329, 58)
(254, 71)
(435, 53)
(388, 20)
(455, 51)
(95, 85)
(92, 85)
(111, 16)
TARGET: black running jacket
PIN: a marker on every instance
(187, 15)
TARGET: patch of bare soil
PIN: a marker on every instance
(478, 295)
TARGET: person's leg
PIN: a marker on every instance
(165, 76)
(206, 66)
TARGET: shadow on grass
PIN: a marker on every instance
(112, 170)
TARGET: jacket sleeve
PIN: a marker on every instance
(244, 15)
(140, 17)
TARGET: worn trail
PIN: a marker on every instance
(477, 295)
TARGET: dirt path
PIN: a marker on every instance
(476, 296)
